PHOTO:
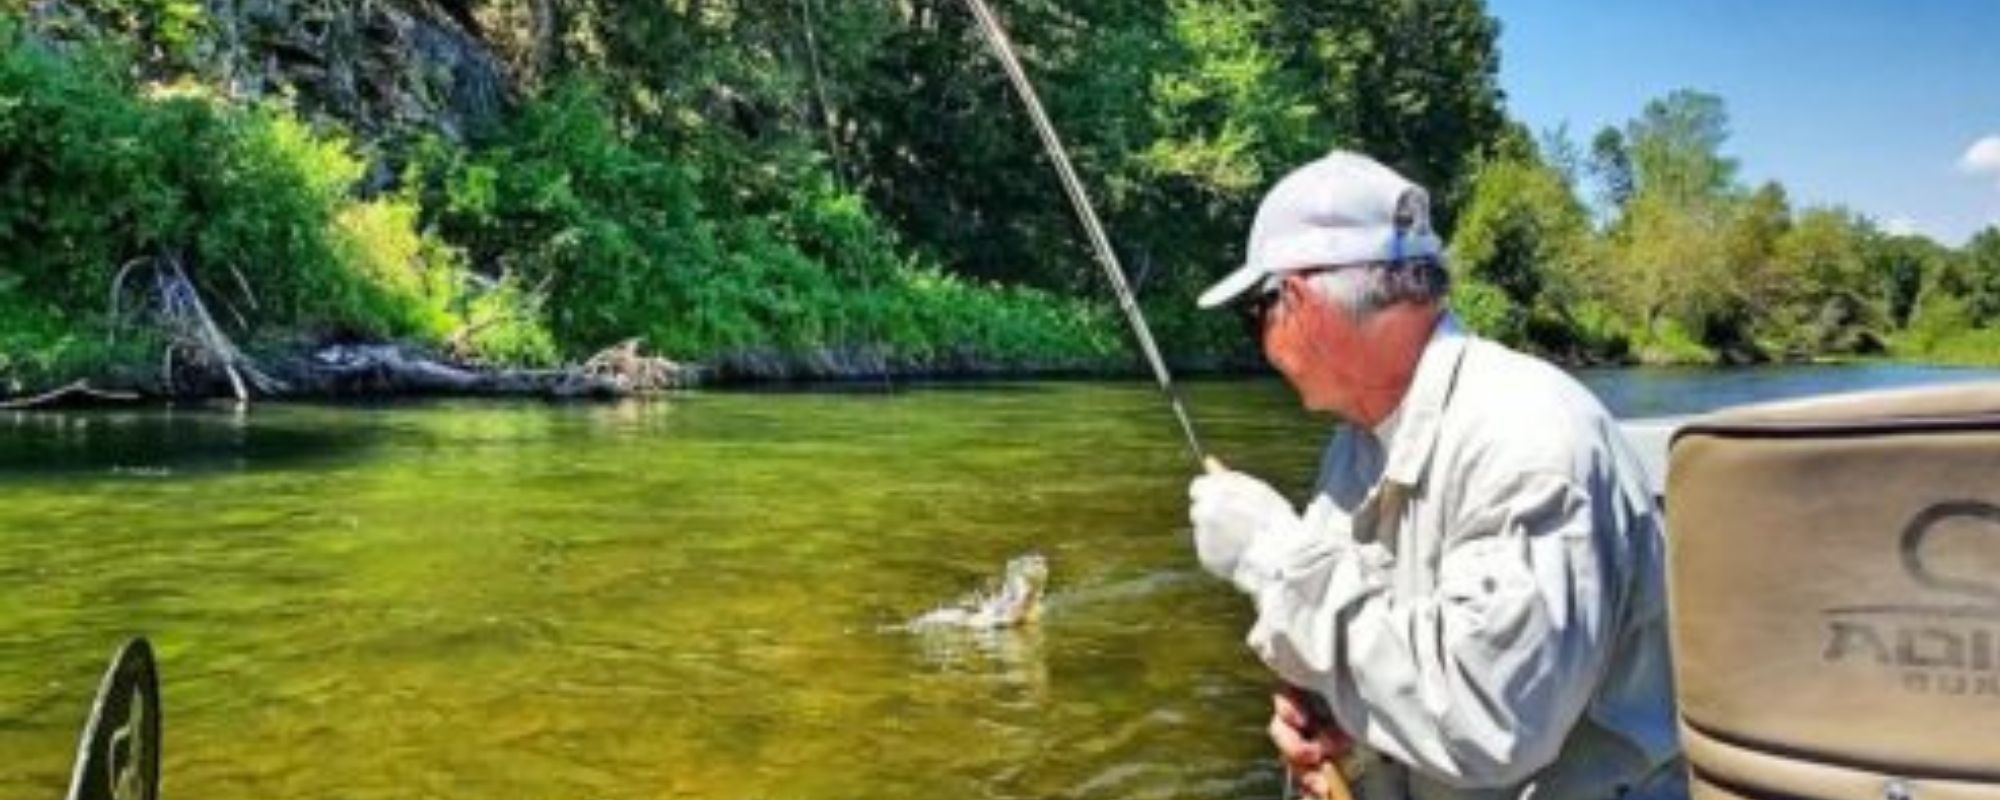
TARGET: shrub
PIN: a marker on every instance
(41, 346)
(1942, 331)
(561, 199)
(1670, 343)
(618, 230)
(255, 203)
(1486, 309)
(503, 325)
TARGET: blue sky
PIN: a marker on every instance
(1877, 105)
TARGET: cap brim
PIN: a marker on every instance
(1231, 286)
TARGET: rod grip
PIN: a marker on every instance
(1335, 782)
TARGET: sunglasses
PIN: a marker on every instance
(1255, 312)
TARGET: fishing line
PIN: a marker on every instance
(996, 37)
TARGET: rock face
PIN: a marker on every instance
(380, 67)
(383, 68)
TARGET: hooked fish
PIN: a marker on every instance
(1016, 601)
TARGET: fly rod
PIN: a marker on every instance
(1336, 782)
(996, 37)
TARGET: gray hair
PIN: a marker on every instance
(1364, 289)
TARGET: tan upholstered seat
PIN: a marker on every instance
(1835, 578)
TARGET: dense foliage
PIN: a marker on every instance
(801, 180)
(621, 242)
(252, 201)
(1685, 264)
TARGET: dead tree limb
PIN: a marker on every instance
(73, 390)
(176, 307)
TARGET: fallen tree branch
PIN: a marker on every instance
(381, 369)
(73, 390)
(623, 365)
(176, 307)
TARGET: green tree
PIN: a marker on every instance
(1902, 265)
(1842, 309)
(1525, 235)
(1563, 154)
(1414, 83)
(1751, 319)
(1611, 166)
(1981, 263)
(1671, 270)
(1676, 148)
(1225, 120)
(1953, 318)
(1670, 241)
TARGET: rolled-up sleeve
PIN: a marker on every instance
(1478, 680)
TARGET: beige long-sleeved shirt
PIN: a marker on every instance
(1480, 594)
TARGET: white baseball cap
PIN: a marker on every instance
(1342, 209)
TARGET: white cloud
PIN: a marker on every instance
(1901, 226)
(1983, 157)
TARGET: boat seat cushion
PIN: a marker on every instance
(1834, 569)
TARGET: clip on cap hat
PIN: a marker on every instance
(1342, 209)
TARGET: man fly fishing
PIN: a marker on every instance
(1475, 590)
(1473, 600)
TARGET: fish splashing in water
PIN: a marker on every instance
(1017, 600)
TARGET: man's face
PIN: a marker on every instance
(1315, 344)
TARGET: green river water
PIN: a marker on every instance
(696, 597)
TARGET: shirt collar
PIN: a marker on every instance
(1410, 432)
(1385, 431)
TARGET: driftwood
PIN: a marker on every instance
(632, 371)
(79, 390)
(382, 369)
(158, 294)
(388, 369)
(193, 341)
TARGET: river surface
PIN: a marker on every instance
(697, 597)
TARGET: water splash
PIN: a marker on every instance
(1017, 600)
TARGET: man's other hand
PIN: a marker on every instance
(1306, 738)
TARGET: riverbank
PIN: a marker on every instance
(383, 371)
(379, 371)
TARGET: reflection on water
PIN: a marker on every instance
(1010, 655)
(158, 443)
(697, 598)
